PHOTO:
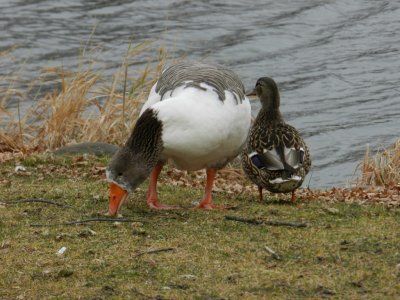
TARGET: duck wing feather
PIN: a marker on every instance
(279, 147)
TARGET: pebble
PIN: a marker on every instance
(19, 168)
(65, 273)
(137, 224)
(61, 251)
(331, 210)
(86, 233)
(189, 276)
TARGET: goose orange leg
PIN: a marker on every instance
(260, 193)
(293, 197)
(152, 198)
(206, 202)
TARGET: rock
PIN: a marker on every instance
(87, 232)
(65, 273)
(108, 289)
(98, 149)
(331, 210)
(19, 168)
(137, 224)
(138, 232)
(62, 236)
(61, 251)
(188, 276)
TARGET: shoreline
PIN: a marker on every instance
(230, 180)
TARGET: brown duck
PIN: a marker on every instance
(275, 158)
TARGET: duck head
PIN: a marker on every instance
(267, 90)
(125, 172)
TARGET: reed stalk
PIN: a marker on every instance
(82, 106)
(381, 169)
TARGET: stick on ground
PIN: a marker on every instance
(274, 255)
(244, 220)
(79, 222)
(38, 200)
(266, 222)
(284, 223)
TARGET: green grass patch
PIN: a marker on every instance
(347, 251)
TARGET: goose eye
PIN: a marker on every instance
(120, 174)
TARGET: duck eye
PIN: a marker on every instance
(120, 174)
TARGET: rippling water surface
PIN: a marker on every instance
(336, 62)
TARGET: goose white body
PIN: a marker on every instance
(198, 116)
(199, 130)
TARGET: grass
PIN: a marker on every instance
(85, 106)
(81, 105)
(381, 169)
(348, 251)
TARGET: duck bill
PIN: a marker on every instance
(251, 93)
(117, 197)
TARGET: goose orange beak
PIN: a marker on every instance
(117, 197)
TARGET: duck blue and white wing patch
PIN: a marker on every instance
(256, 160)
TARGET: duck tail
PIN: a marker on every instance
(289, 171)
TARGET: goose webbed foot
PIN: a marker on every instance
(204, 205)
(207, 202)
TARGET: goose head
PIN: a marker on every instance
(125, 173)
(132, 164)
(267, 90)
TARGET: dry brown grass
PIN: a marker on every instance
(381, 169)
(84, 105)
(81, 106)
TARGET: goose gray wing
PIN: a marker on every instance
(194, 74)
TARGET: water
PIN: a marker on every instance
(336, 62)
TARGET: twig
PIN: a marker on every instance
(39, 200)
(284, 223)
(266, 222)
(125, 64)
(309, 181)
(155, 251)
(19, 124)
(88, 41)
(244, 220)
(123, 95)
(86, 221)
(272, 252)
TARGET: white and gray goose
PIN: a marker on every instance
(196, 115)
